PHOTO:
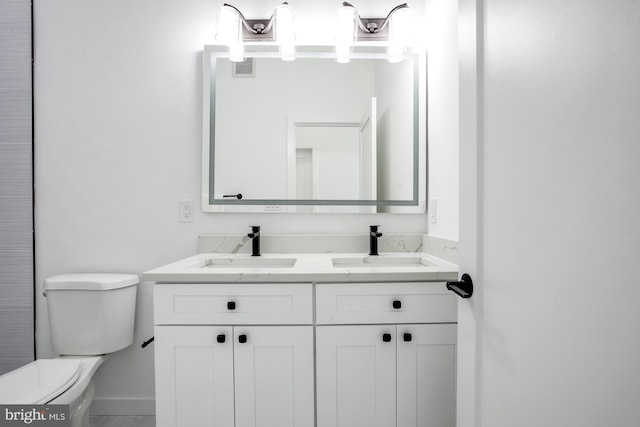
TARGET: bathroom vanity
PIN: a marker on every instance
(305, 339)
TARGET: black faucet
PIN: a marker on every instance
(373, 239)
(255, 240)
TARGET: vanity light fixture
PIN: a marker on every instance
(396, 29)
(234, 30)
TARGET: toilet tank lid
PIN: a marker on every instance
(90, 281)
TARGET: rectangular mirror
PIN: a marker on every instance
(313, 135)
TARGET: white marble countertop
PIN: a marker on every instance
(308, 267)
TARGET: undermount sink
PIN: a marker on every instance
(254, 262)
(379, 261)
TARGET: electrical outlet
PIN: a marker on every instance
(433, 210)
(185, 210)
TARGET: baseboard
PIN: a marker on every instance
(128, 406)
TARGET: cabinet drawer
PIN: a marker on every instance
(354, 303)
(233, 304)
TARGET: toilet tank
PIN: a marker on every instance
(91, 314)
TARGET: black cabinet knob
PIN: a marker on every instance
(221, 338)
(397, 304)
(242, 339)
(407, 337)
(386, 337)
(231, 305)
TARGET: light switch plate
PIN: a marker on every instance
(433, 211)
(185, 210)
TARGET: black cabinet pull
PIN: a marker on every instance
(242, 339)
(407, 337)
(221, 338)
(397, 304)
(231, 305)
(386, 337)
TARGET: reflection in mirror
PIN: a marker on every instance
(312, 135)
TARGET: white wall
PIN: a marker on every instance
(441, 32)
(336, 160)
(559, 230)
(117, 144)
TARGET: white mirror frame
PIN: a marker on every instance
(418, 205)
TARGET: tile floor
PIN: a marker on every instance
(122, 421)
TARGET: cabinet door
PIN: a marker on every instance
(356, 376)
(274, 376)
(426, 375)
(194, 376)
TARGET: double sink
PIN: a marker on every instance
(365, 261)
(303, 267)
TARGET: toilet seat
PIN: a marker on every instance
(39, 382)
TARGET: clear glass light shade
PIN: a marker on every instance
(343, 53)
(283, 24)
(347, 18)
(401, 26)
(287, 52)
(401, 33)
(346, 33)
(284, 31)
(228, 30)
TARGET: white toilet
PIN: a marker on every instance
(90, 316)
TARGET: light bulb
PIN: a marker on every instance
(343, 54)
(287, 52)
(236, 52)
(395, 53)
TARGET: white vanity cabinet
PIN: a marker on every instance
(385, 355)
(236, 355)
(244, 355)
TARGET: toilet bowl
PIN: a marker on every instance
(60, 381)
(90, 316)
